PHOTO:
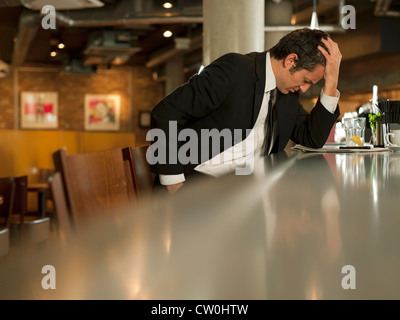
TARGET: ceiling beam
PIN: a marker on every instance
(162, 55)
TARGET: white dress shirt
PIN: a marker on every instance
(243, 152)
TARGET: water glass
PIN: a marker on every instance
(355, 131)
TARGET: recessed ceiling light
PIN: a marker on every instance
(61, 45)
(167, 33)
(53, 53)
(167, 5)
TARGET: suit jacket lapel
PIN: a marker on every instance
(260, 84)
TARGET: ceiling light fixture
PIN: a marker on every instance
(314, 18)
(167, 5)
(53, 53)
(61, 45)
(167, 33)
(293, 19)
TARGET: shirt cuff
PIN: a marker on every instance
(167, 180)
(330, 103)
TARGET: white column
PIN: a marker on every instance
(232, 26)
(175, 75)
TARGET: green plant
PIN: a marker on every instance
(373, 119)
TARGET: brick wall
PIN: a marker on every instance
(137, 89)
(7, 102)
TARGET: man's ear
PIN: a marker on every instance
(290, 60)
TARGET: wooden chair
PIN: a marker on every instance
(26, 229)
(63, 220)
(42, 189)
(143, 177)
(95, 184)
(7, 189)
(46, 176)
(4, 241)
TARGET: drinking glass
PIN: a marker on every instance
(355, 131)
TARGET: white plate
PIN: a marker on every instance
(394, 149)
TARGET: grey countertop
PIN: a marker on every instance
(302, 226)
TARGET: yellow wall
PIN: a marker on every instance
(26, 151)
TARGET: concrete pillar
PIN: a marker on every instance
(277, 13)
(232, 26)
(175, 75)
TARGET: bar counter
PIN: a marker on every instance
(302, 226)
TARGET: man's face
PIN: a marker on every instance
(289, 81)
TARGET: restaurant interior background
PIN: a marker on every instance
(118, 47)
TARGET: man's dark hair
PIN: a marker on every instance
(303, 42)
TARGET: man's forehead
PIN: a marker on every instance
(317, 73)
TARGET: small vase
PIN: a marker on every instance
(373, 137)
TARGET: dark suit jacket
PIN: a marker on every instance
(228, 94)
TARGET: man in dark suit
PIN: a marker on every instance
(232, 94)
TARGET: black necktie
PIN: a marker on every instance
(270, 125)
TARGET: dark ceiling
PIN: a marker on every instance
(128, 29)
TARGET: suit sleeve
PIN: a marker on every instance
(312, 130)
(197, 98)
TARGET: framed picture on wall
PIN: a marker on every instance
(102, 112)
(39, 110)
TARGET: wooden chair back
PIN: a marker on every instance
(143, 177)
(20, 206)
(95, 183)
(63, 219)
(7, 192)
(4, 241)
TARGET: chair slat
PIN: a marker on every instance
(143, 177)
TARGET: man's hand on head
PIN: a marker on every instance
(333, 59)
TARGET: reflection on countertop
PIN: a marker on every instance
(285, 232)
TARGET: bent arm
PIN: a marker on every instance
(200, 96)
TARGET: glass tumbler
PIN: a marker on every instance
(355, 131)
